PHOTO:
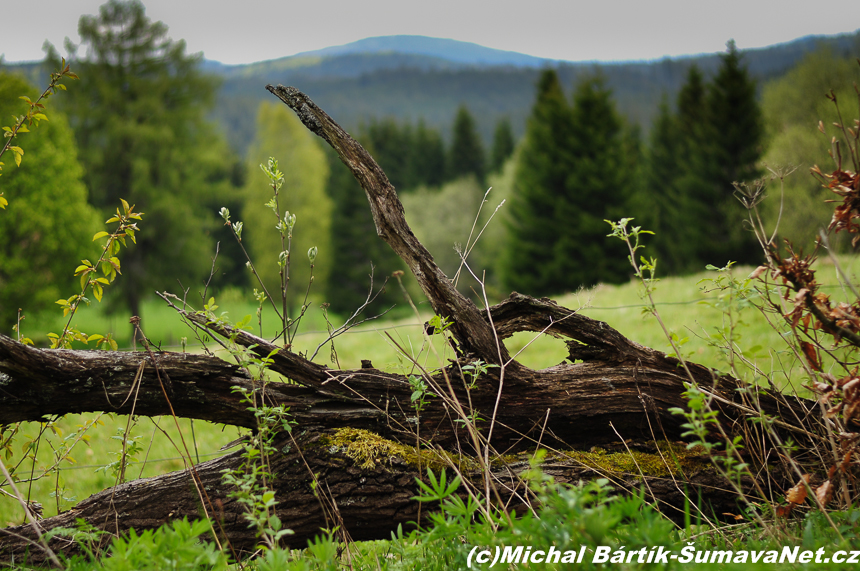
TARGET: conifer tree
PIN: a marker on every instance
(575, 170)
(664, 212)
(503, 144)
(597, 188)
(467, 152)
(540, 181)
(356, 249)
(390, 144)
(688, 242)
(734, 146)
(138, 114)
(427, 157)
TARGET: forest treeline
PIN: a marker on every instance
(137, 125)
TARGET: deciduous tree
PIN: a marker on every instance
(48, 226)
(301, 158)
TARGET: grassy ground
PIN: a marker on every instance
(686, 309)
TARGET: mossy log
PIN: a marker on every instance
(610, 392)
(354, 478)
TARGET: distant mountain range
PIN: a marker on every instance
(448, 50)
(416, 77)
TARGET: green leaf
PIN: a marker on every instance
(101, 234)
(19, 153)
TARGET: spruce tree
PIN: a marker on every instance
(466, 156)
(735, 133)
(427, 156)
(356, 249)
(391, 145)
(540, 181)
(597, 188)
(503, 144)
(575, 170)
(664, 213)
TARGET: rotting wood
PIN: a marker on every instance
(371, 500)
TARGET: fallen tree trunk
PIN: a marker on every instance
(370, 494)
(611, 390)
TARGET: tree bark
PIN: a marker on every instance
(370, 498)
(610, 390)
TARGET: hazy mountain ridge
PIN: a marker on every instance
(451, 50)
(414, 77)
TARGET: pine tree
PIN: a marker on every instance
(138, 114)
(542, 169)
(503, 144)
(466, 156)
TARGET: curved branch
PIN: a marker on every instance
(471, 331)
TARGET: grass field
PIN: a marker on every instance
(686, 309)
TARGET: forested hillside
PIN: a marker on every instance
(356, 86)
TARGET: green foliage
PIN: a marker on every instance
(138, 114)
(49, 223)
(567, 518)
(179, 546)
(442, 218)
(109, 266)
(35, 113)
(305, 170)
(792, 105)
(575, 170)
(466, 156)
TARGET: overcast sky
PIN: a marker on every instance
(246, 31)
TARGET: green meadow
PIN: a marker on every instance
(688, 306)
